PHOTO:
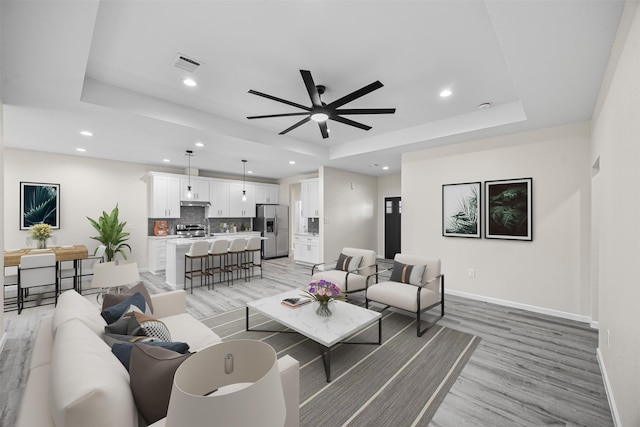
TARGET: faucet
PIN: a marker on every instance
(208, 225)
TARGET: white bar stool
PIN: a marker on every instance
(197, 251)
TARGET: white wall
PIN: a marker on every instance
(348, 211)
(552, 271)
(87, 188)
(616, 145)
(2, 222)
(388, 186)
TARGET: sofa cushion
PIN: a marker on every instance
(185, 328)
(34, 406)
(110, 300)
(122, 350)
(348, 263)
(88, 386)
(405, 273)
(141, 324)
(152, 370)
(115, 312)
(72, 305)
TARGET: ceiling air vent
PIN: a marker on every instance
(185, 63)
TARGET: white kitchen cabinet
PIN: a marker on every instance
(164, 196)
(267, 194)
(219, 198)
(306, 249)
(157, 254)
(310, 198)
(238, 208)
(199, 188)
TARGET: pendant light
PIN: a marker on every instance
(244, 180)
(189, 194)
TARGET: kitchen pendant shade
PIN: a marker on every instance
(189, 193)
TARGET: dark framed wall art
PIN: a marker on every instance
(461, 210)
(39, 204)
(508, 209)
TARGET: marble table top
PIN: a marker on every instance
(346, 320)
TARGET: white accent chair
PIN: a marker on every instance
(348, 278)
(36, 271)
(420, 294)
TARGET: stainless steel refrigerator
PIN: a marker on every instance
(273, 222)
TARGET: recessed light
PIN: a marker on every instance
(292, 162)
(80, 149)
(189, 82)
(445, 93)
(86, 133)
(166, 160)
(385, 168)
(484, 106)
(374, 165)
(199, 144)
(249, 171)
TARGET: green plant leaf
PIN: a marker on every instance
(111, 234)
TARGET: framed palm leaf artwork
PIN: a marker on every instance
(461, 210)
(39, 204)
(508, 209)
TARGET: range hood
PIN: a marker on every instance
(194, 203)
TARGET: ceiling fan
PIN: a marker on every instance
(321, 112)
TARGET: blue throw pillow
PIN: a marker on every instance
(123, 350)
(115, 312)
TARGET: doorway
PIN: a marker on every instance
(392, 212)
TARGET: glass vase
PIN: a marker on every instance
(42, 244)
(323, 309)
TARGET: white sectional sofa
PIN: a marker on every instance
(76, 381)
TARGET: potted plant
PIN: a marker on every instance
(111, 235)
(40, 233)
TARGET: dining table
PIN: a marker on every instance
(74, 253)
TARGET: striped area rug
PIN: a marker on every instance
(399, 383)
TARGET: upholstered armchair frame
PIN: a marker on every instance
(406, 287)
(358, 277)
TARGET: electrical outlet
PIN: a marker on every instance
(472, 272)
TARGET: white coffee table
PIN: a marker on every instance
(346, 320)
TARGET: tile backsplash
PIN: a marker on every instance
(196, 215)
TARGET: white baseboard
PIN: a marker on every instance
(534, 308)
(595, 324)
(607, 387)
(3, 339)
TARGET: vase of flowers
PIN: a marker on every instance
(40, 233)
(323, 292)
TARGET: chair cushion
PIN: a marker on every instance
(347, 282)
(88, 386)
(152, 370)
(348, 263)
(405, 273)
(401, 295)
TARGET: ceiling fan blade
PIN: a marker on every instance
(274, 98)
(348, 111)
(355, 95)
(349, 122)
(301, 122)
(279, 115)
(323, 129)
(311, 88)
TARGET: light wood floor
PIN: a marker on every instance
(529, 369)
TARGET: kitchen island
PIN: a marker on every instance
(177, 248)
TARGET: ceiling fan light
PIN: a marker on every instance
(319, 117)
